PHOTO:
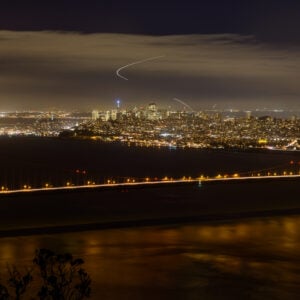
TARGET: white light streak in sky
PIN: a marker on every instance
(135, 63)
(183, 103)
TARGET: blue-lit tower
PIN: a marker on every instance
(118, 102)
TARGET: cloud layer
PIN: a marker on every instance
(47, 70)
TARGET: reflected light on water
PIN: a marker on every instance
(258, 257)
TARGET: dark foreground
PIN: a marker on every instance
(243, 259)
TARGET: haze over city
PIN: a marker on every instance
(209, 54)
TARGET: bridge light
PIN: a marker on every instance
(235, 175)
(291, 173)
(68, 183)
(46, 185)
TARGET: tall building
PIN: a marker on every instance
(118, 102)
(152, 113)
(248, 114)
(152, 107)
(114, 114)
(95, 115)
(107, 115)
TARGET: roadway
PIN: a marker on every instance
(201, 180)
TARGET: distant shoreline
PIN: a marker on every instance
(183, 147)
(179, 147)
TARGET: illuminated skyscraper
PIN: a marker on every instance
(248, 114)
(95, 115)
(118, 102)
(152, 112)
(114, 114)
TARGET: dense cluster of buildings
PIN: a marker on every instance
(151, 126)
(37, 123)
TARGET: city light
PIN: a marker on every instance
(152, 126)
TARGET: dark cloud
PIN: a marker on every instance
(73, 70)
(275, 21)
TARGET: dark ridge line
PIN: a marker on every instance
(214, 218)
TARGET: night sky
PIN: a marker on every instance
(233, 54)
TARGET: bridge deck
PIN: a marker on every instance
(200, 181)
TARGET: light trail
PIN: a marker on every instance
(92, 186)
(136, 63)
(250, 178)
(199, 180)
(183, 103)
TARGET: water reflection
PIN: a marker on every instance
(254, 259)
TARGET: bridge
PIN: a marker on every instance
(83, 179)
(147, 182)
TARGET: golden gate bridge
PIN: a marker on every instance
(81, 180)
